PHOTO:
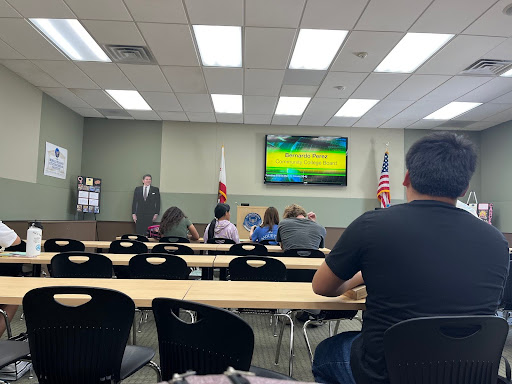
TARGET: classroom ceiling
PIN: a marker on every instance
(178, 88)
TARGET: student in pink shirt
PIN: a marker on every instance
(221, 227)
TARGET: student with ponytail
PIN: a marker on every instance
(221, 227)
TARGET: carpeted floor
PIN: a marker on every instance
(264, 351)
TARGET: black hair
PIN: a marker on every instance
(441, 164)
(220, 210)
(147, 175)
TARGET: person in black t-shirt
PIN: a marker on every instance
(423, 258)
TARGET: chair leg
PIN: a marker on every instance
(306, 338)
(290, 361)
(7, 323)
(141, 320)
(157, 369)
(134, 328)
(337, 327)
(330, 328)
(274, 318)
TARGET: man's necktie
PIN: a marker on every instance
(145, 193)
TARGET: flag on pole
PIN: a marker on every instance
(383, 193)
(223, 194)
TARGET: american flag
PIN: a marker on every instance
(383, 193)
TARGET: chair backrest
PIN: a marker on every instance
(445, 350)
(134, 236)
(220, 240)
(257, 268)
(217, 340)
(244, 249)
(268, 242)
(506, 300)
(172, 249)
(171, 268)
(302, 252)
(302, 275)
(96, 265)
(127, 246)
(63, 245)
(10, 269)
(174, 239)
(81, 344)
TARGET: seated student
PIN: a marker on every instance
(422, 258)
(268, 229)
(299, 230)
(175, 223)
(8, 238)
(221, 227)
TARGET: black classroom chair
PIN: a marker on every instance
(245, 249)
(220, 240)
(134, 236)
(63, 245)
(96, 266)
(11, 269)
(174, 239)
(445, 350)
(84, 344)
(126, 247)
(172, 249)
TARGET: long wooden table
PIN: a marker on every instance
(226, 294)
(222, 261)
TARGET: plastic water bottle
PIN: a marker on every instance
(34, 235)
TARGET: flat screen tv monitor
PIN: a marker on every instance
(306, 159)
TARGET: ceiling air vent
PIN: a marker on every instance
(456, 124)
(130, 54)
(113, 112)
(488, 67)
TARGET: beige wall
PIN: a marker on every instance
(20, 116)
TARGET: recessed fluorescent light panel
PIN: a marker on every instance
(129, 100)
(356, 107)
(507, 74)
(412, 51)
(219, 46)
(452, 110)
(71, 38)
(227, 103)
(292, 106)
(315, 48)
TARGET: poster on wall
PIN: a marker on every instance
(55, 161)
(88, 197)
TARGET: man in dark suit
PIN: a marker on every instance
(145, 206)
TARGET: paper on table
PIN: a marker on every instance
(19, 254)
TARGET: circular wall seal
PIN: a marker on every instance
(252, 219)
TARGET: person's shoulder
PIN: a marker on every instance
(155, 188)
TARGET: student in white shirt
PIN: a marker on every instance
(8, 238)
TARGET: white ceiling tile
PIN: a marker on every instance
(417, 86)
(66, 73)
(160, 101)
(96, 98)
(114, 32)
(87, 112)
(100, 9)
(391, 15)
(218, 12)
(501, 52)
(224, 80)
(260, 53)
(146, 77)
(480, 125)
(450, 16)
(379, 85)
(332, 14)
(259, 105)
(337, 121)
(7, 11)
(273, 13)
(458, 54)
(420, 109)
(383, 111)
(185, 79)
(483, 111)
(201, 117)
(320, 111)
(425, 124)
(263, 82)
(106, 75)
(299, 90)
(398, 123)
(285, 120)
(48, 9)
(66, 97)
(32, 73)
(500, 117)
(257, 119)
(349, 80)
(157, 11)
(195, 102)
(229, 118)
(440, 128)
(303, 77)
(376, 44)
(6, 52)
(145, 115)
(493, 22)
(456, 87)
(489, 91)
(173, 116)
(170, 43)
(21, 36)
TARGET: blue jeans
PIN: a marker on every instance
(332, 359)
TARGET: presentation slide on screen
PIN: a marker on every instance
(305, 159)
